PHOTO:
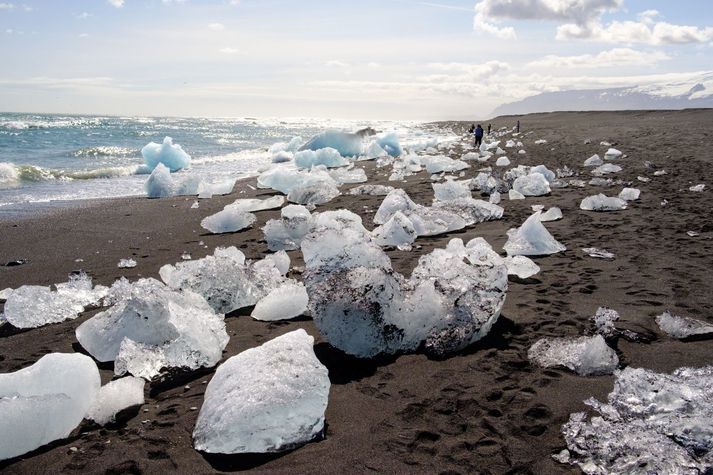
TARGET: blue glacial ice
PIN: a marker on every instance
(329, 157)
(167, 153)
(347, 144)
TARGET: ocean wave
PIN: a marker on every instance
(14, 175)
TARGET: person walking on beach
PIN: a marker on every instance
(517, 127)
(472, 128)
(478, 135)
(489, 127)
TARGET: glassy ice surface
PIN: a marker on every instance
(604, 320)
(167, 153)
(451, 189)
(398, 231)
(287, 301)
(154, 327)
(552, 214)
(114, 397)
(229, 220)
(347, 144)
(45, 402)
(374, 190)
(682, 327)
(329, 157)
(441, 163)
(270, 398)
(287, 232)
(612, 154)
(651, 423)
(606, 169)
(585, 356)
(521, 266)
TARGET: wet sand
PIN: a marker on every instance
(484, 410)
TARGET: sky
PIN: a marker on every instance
(366, 59)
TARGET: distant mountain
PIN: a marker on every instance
(696, 93)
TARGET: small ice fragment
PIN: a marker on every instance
(602, 202)
(593, 161)
(552, 214)
(698, 188)
(585, 356)
(540, 142)
(229, 220)
(604, 320)
(270, 398)
(660, 173)
(630, 194)
(494, 198)
(682, 327)
(186, 256)
(502, 162)
(606, 169)
(281, 261)
(612, 154)
(604, 144)
(126, 263)
(643, 179)
(532, 239)
(5, 293)
(693, 233)
(114, 397)
(287, 301)
(534, 184)
(515, 195)
(397, 231)
(521, 266)
(195, 205)
(598, 253)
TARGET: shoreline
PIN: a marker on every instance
(485, 409)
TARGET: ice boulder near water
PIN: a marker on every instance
(348, 145)
(329, 157)
(683, 327)
(652, 423)
(153, 327)
(114, 397)
(585, 356)
(270, 398)
(532, 239)
(389, 142)
(160, 184)
(45, 402)
(169, 154)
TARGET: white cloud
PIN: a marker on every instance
(629, 32)
(6, 6)
(616, 57)
(216, 26)
(647, 16)
(84, 35)
(335, 63)
(480, 24)
(229, 50)
(116, 3)
(82, 16)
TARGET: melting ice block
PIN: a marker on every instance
(515, 195)
(606, 169)
(604, 321)
(169, 154)
(534, 184)
(598, 253)
(612, 154)
(651, 423)
(229, 220)
(160, 184)
(361, 306)
(593, 161)
(348, 175)
(155, 327)
(348, 145)
(682, 327)
(502, 162)
(698, 188)
(602, 202)
(31, 306)
(630, 194)
(532, 239)
(441, 163)
(114, 397)
(287, 232)
(45, 401)
(521, 266)
(287, 301)
(313, 194)
(225, 279)
(390, 143)
(256, 204)
(328, 157)
(552, 214)
(451, 189)
(398, 231)
(584, 355)
(266, 399)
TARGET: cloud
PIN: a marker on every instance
(84, 35)
(630, 32)
(335, 63)
(647, 16)
(228, 50)
(6, 6)
(216, 26)
(116, 3)
(616, 57)
(82, 16)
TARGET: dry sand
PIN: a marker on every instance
(485, 410)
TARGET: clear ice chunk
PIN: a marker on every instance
(287, 301)
(168, 154)
(534, 184)
(532, 239)
(606, 169)
(552, 214)
(270, 398)
(593, 161)
(630, 194)
(451, 189)
(179, 329)
(604, 321)
(612, 154)
(45, 402)
(374, 190)
(682, 327)
(229, 220)
(602, 202)
(398, 231)
(441, 163)
(287, 232)
(328, 157)
(585, 356)
(598, 253)
(521, 266)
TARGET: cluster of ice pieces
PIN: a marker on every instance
(239, 214)
(266, 399)
(584, 355)
(228, 282)
(32, 306)
(167, 153)
(651, 423)
(306, 187)
(683, 327)
(361, 306)
(151, 327)
(532, 239)
(161, 184)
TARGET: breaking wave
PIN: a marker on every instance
(106, 151)
(14, 175)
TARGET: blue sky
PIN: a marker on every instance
(388, 59)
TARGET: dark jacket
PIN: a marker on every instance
(478, 131)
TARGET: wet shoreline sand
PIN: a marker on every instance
(484, 410)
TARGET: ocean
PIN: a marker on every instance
(55, 158)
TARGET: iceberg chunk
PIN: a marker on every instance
(698, 188)
(515, 195)
(287, 301)
(126, 263)
(45, 402)
(160, 184)
(169, 154)
(532, 239)
(328, 157)
(612, 154)
(604, 321)
(229, 220)
(313, 194)
(682, 327)
(256, 204)
(521, 266)
(389, 142)
(606, 169)
(585, 356)
(549, 175)
(502, 162)
(593, 161)
(602, 202)
(398, 231)
(374, 190)
(114, 397)
(598, 253)
(208, 190)
(348, 145)
(651, 423)
(348, 175)
(374, 151)
(534, 184)
(630, 194)
(552, 214)
(155, 327)
(451, 189)
(287, 232)
(266, 399)
(441, 163)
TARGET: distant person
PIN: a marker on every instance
(472, 128)
(478, 136)
(489, 127)
(517, 127)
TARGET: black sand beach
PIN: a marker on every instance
(484, 410)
